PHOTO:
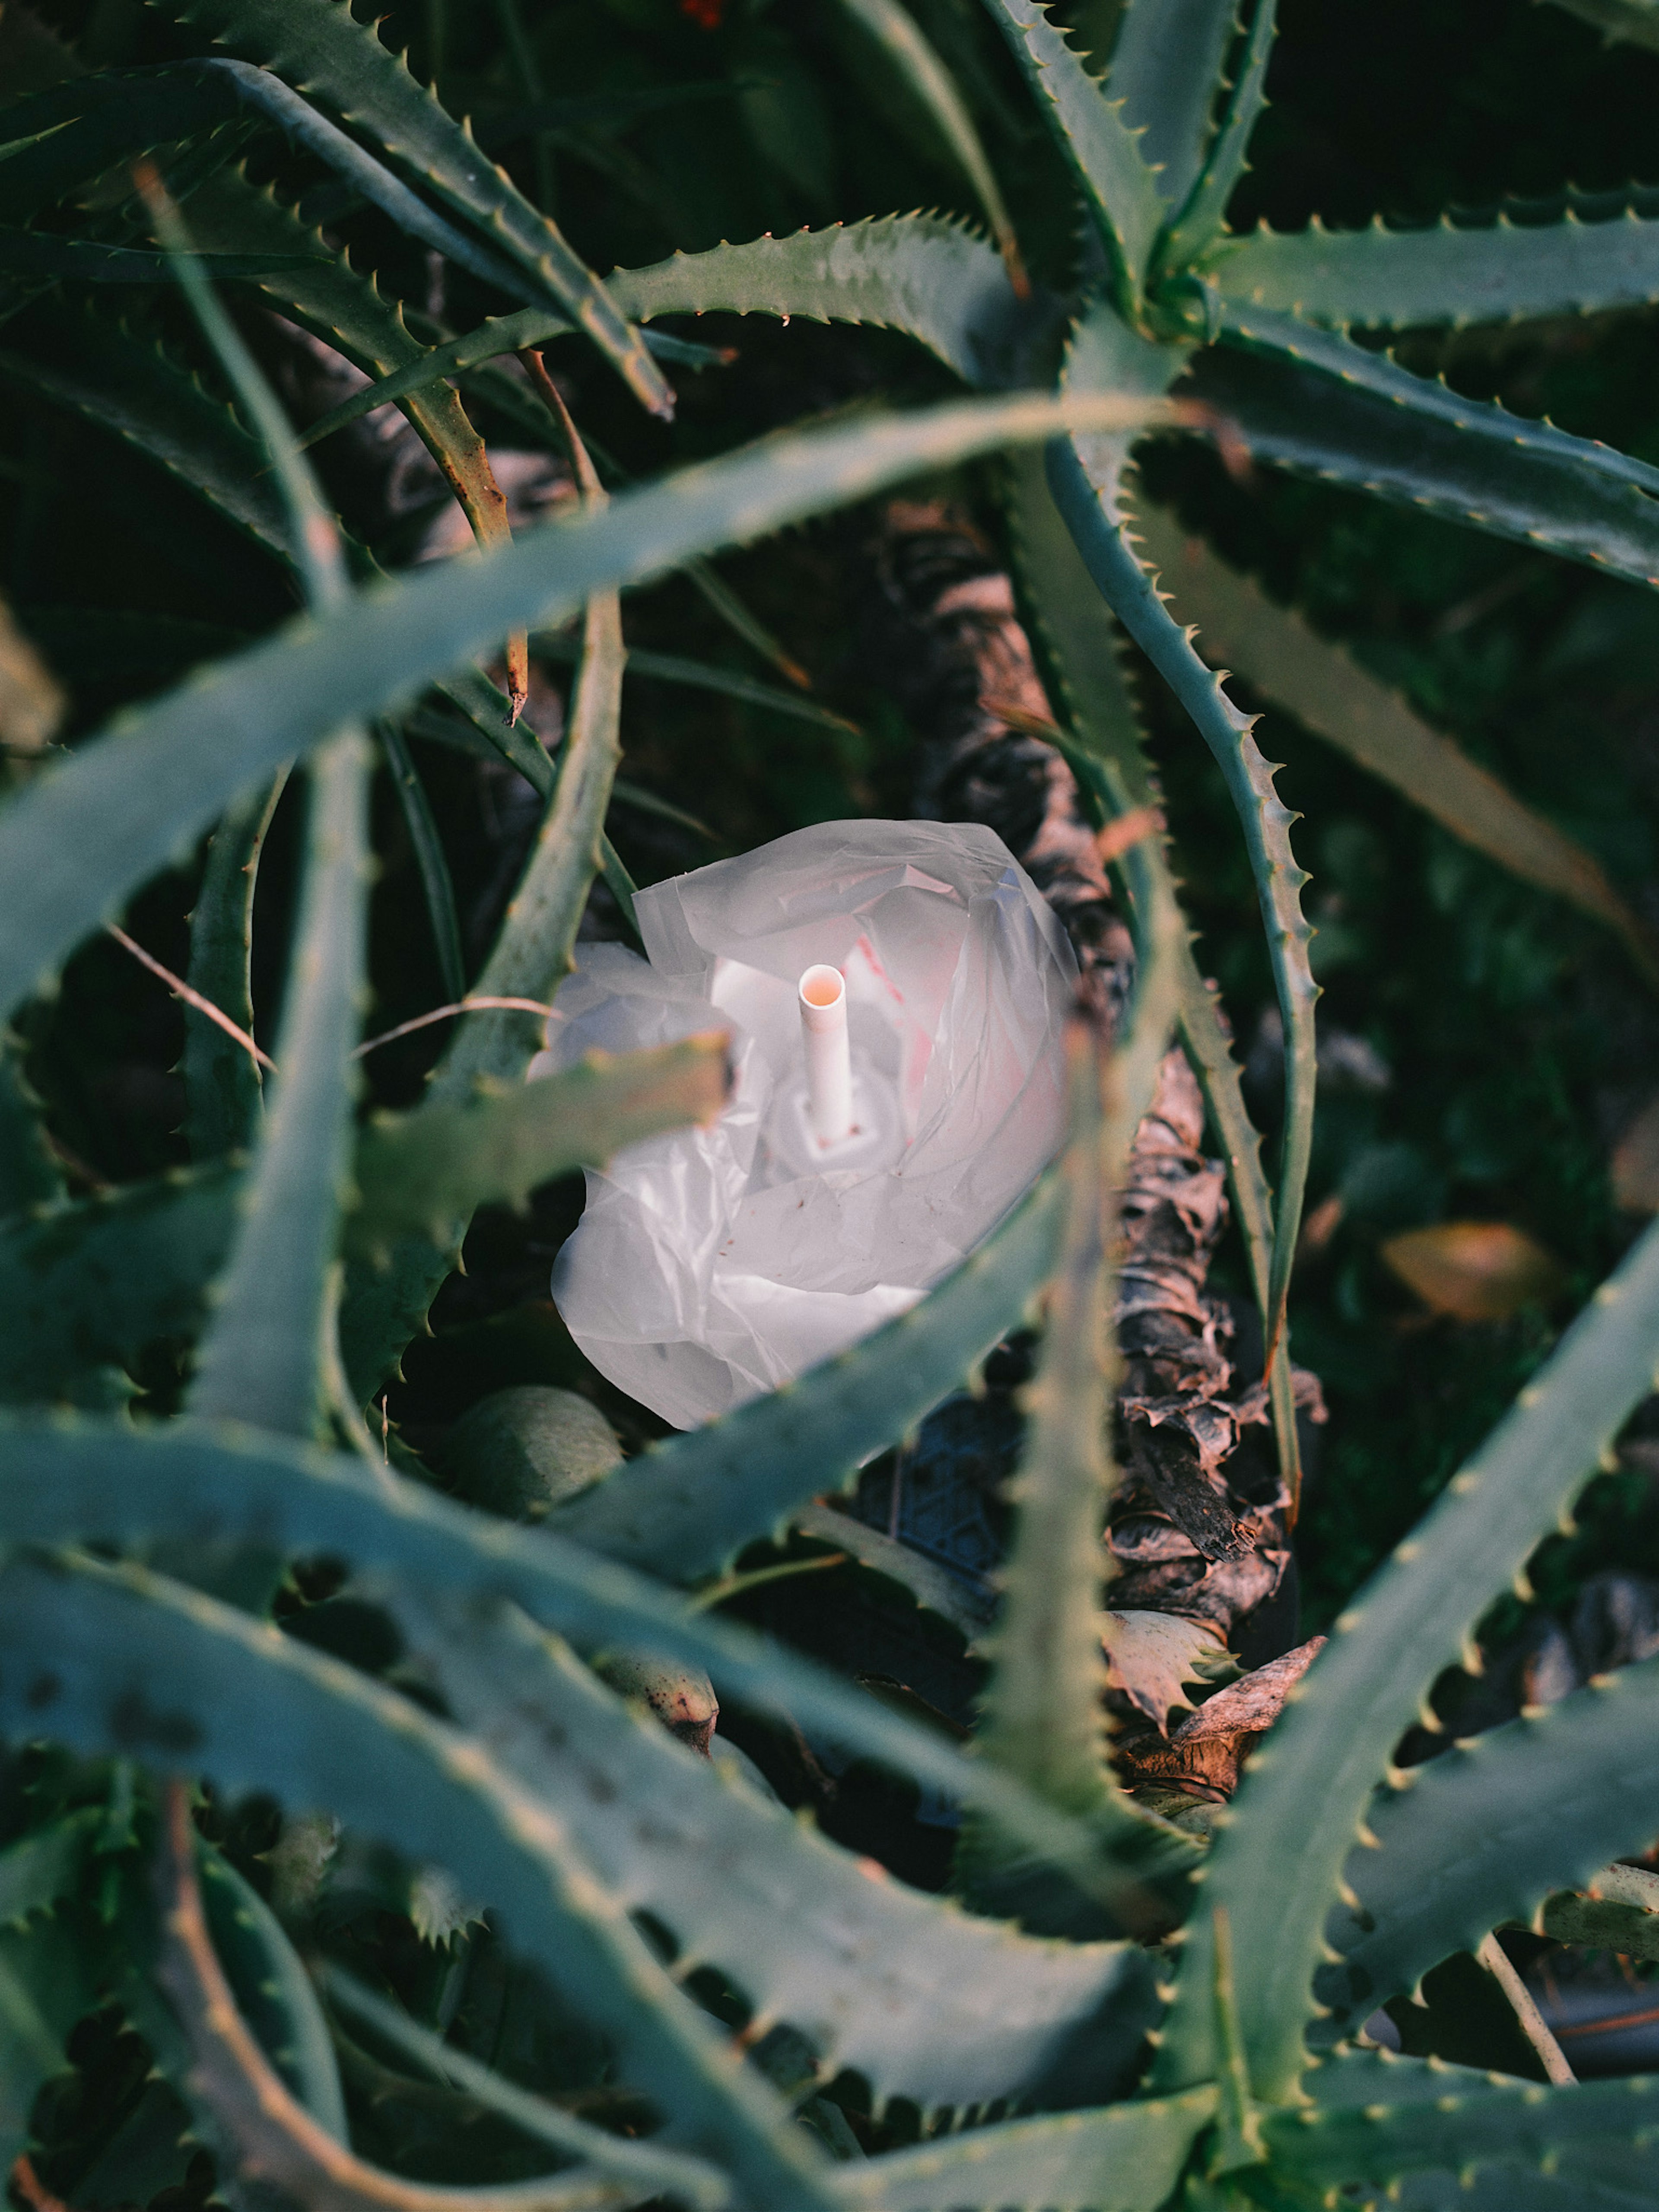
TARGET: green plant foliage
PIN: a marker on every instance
(476, 1932)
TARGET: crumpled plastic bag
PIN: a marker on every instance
(708, 1266)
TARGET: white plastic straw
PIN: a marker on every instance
(829, 1063)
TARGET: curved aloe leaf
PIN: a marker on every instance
(1306, 400)
(1167, 70)
(1124, 2158)
(1492, 272)
(962, 2012)
(85, 261)
(68, 1479)
(92, 366)
(1044, 1718)
(686, 1508)
(1381, 2117)
(1077, 645)
(273, 1989)
(913, 59)
(223, 1096)
(436, 887)
(329, 298)
(1107, 164)
(1302, 1800)
(29, 1174)
(1332, 695)
(1489, 1829)
(258, 1360)
(144, 1667)
(1205, 208)
(1086, 477)
(79, 839)
(94, 1281)
(922, 274)
(342, 66)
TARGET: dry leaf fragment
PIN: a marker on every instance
(1149, 1656)
(31, 701)
(1475, 1270)
(1204, 1755)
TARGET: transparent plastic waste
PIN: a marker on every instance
(713, 1264)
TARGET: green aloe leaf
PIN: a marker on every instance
(1305, 1795)
(71, 1478)
(1450, 273)
(1123, 2158)
(1076, 643)
(1086, 477)
(1636, 20)
(258, 1361)
(89, 364)
(1332, 695)
(29, 1174)
(1087, 123)
(92, 1281)
(146, 1667)
(85, 834)
(922, 274)
(1489, 1829)
(1205, 208)
(1167, 70)
(62, 136)
(704, 676)
(224, 1098)
(1379, 2118)
(1044, 1718)
(915, 62)
(86, 261)
(436, 887)
(1309, 400)
(686, 1508)
(963, 2010)
(343, 66)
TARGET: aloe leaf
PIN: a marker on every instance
(934, 1588)
(962, 2010)
(1044, 1718)
(687, 1507)
(82, 836)
(46, 1865)
(1086, 477)
(1204, 211)
(66, 1477)
(703, 676)
(1481, 273)
(343, 66)
(421, 1172)
(1489, 1829)
(55, 139)
(95, 1280)
(1166, 71)
(1310, 400)
(435, 886)
(913, 59)
(1107, 163)
(334, 302)
(1077, 645)
(1332, 697)
(29, 1174)
(259, 1359)
(223, 1096)
(143, 1666)
(96, 370)
(670, 2173)
(273, 1990)
(86, 261)
(1303, 1796)
(1381, 2117)
(1121, 2158)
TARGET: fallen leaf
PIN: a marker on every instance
(1150, 1655)
(1204, 1755)
(1475, 1270)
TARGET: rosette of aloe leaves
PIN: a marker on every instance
(1183, 2037)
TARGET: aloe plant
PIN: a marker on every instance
(1185, 2048)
